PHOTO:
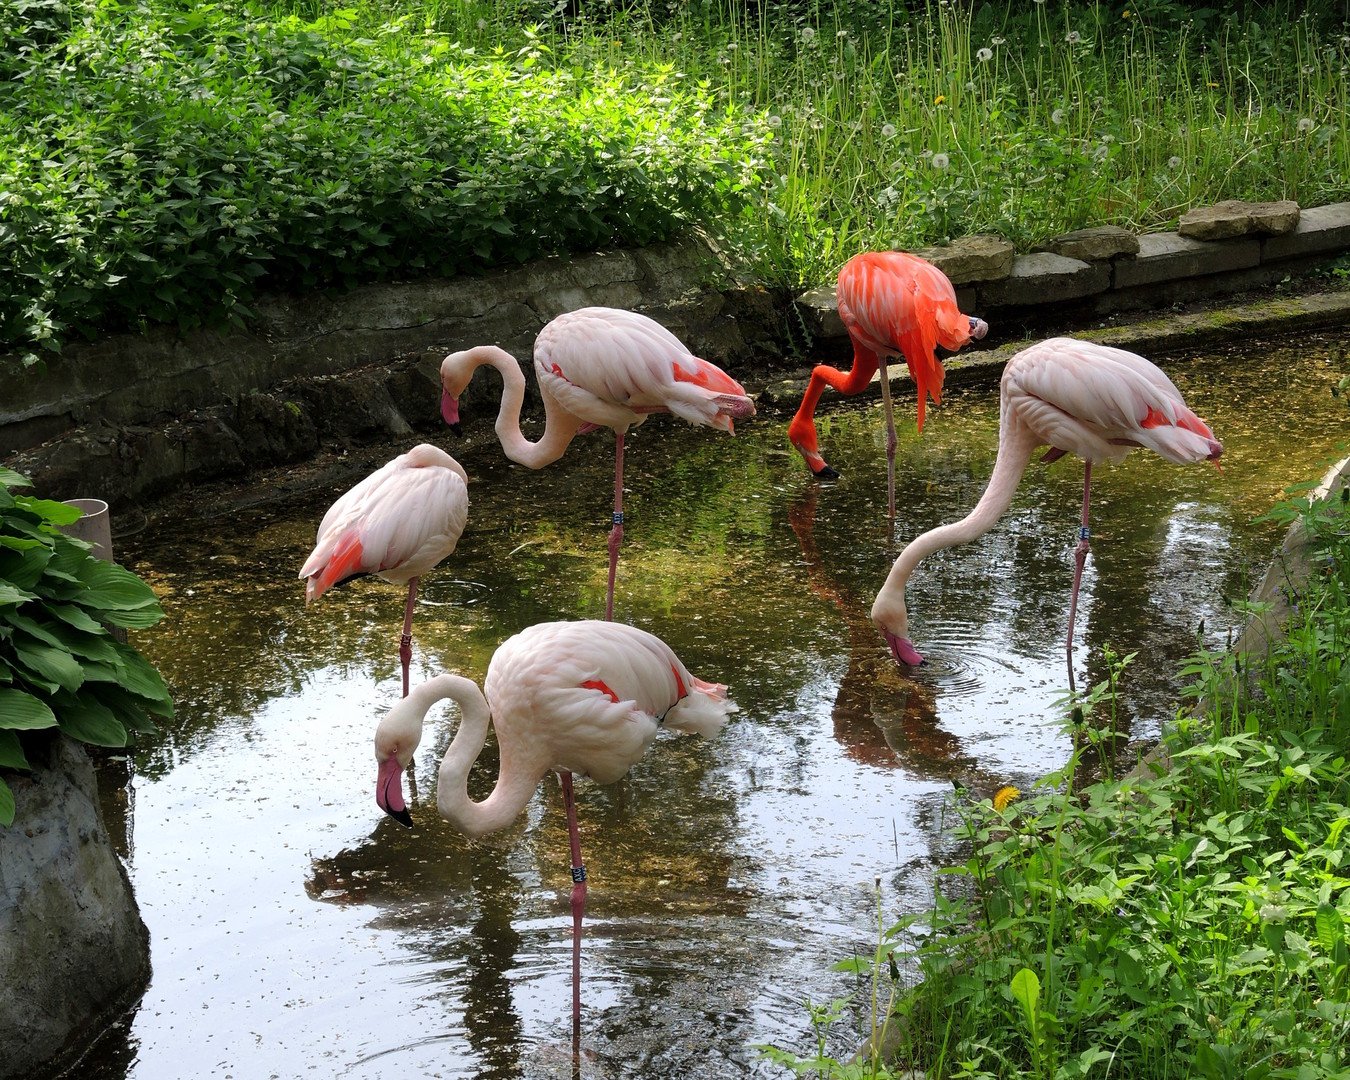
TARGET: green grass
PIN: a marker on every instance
(163, 160)
(1194, 921)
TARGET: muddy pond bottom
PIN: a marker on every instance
(297, 932)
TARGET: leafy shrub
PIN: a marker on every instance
(60, 666)
(162, 163)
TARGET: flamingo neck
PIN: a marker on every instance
(513, 788)
(1015, 447)
(559, 425)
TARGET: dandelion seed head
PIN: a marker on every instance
(1057, 117)
(888, 131)
(1174, 162)
(1073, 37)
(808, 34)
(774, 121)
(941, 161)
(1099, 153)
(1305, 124)
(984, 55)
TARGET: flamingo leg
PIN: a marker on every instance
(1079, 558)
(802, 430)
(888, 410)
(616, 533)
(405, 641)
(578, 897)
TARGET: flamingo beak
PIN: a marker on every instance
(903, 650)
(450, 411)
(978, 328)
(389, 791)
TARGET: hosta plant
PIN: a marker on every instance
(61, 667)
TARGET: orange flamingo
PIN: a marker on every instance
(598, 367)
(891, 304)
(1078, 397)
(397, 523)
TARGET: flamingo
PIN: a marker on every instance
(1091, 400)
(583, 697)
(598, 367)
(892, 304)
(397, 523)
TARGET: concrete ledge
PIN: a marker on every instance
(1044, 278)
(1168, 256)
(1319, 230)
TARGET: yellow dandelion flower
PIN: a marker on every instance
(1126, 13)
(1005, 795)
(939, 99)
(1213, 85)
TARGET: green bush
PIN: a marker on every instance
(162, 162)
(60, 666)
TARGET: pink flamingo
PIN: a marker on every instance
(598, 367)
(891, 304)
(1081, 398)
(567, 697)
(397, 523)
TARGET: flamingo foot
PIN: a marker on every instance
(903, 650)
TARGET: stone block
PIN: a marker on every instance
(1168, 256)
(1100, 244)
(1319, 229)
(972, 258)
(1045, 278)
(819, 311)
(1232, 218)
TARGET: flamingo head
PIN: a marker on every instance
(978, 328)
(456, 371)
(395, 741)
(891, 618)
(903, 649)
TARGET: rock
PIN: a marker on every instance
(1100, 244)
(1225, 220)
(972, 258)
(74, 953)
(819, 312)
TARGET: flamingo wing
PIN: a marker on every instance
(892, 302)
(613, 367)
(1098, 402)
(595, 692)
(397, 523)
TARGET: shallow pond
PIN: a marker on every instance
(298, 932)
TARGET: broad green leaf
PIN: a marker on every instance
(113, 587)
(53, 665)
(1026, 989)
(23, 569)
(11, 751)
(10, 595)
(9, 478)
(6, 804)
(23, 711)
(76, 617)
(139, 675)
(91, 721)
(137, 619)
(1330, 927)
(58, 513)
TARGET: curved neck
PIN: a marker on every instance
(559, 425)
(1015, 447)
(513, 788)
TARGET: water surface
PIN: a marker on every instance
(297, 932)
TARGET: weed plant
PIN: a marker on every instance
(161, 159)
(1191, 921)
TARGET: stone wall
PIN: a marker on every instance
(133, 416)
